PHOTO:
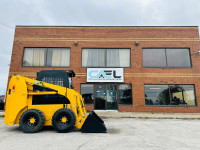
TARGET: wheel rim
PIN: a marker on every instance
(63, 120)
(30, 120)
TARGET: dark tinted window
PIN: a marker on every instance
(48, 99)
(154, 58)
(156, 95)
(166, 58)
(170, 95)
(125, 94)
(182, 95)
(179, 58)
(53, 80)
(87, 92)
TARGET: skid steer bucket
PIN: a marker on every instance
(93, 124)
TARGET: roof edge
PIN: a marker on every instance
(43, 26)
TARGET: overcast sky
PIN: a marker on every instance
(89, 13)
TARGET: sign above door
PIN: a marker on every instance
(105, 75)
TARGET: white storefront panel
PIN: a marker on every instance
(105, 75)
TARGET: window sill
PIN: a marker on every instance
(105, 67)
(169, 67)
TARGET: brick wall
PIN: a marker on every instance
(117, 37)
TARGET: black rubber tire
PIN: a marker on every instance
(25, 124)
(63, 127)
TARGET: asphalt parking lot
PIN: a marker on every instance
(124, 133)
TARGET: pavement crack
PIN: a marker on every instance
(80, 146)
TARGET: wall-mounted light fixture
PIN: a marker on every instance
(136, 43)
(75, 43)
(198, 52)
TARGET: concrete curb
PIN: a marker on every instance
(141, 115)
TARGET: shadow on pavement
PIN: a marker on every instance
(113, 131)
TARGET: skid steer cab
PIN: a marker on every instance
(48, 101)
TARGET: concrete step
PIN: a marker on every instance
(147, 115)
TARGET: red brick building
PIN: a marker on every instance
(141, 69)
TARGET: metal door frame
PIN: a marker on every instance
(117, 95)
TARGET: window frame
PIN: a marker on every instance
(46, 53)
(195, 97)
(105, 58)
(165, 48)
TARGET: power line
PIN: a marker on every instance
(5, 25)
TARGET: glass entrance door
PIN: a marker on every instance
(112, 97)
(105, 97)
(100, 94)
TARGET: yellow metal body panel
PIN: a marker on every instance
(41, 93)
(16, 99)
(20, 100)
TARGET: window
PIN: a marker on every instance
(178, 58)
(166, 58)
(87, 92)
(125, 94)
(107, 96)
(182, 95)
(55, 57)
(53, 80)
(154, 58)
(48, 99)
(106, 57)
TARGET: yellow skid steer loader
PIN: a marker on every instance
(48, 101)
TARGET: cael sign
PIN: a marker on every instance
(105, 75)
